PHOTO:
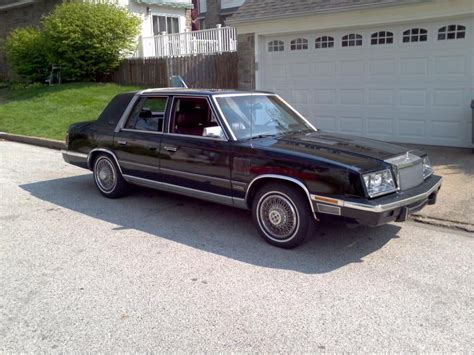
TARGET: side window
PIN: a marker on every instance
(352, 40)
(276, 46)
(191, 115)
(415, 35)
(451, 32)
(382, 37)
(299, 44)
(148, 114)
(324, 42)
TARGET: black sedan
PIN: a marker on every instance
(250, 150)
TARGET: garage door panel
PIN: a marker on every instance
(403, 92)
(354, 97)
(352, 125)
(450, 65)
(380, 97)
(412, 128)
(414, 66)
(382, 127)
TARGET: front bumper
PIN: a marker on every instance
(394, 207)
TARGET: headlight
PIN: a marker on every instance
(379, 183)
(427, 169)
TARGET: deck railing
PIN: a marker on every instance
(211, 41)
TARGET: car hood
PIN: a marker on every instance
(363, 153)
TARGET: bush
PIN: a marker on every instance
(26, 54)
(87, 40)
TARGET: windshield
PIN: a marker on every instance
(253, 116)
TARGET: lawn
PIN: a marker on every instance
(47, 111)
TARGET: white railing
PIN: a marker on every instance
(211, 41)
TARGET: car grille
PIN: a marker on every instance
(408, 170)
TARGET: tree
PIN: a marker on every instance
(87, 40)
(26, 53)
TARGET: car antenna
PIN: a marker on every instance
(252, 113)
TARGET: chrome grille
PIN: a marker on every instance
(408, 170)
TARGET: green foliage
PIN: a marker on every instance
(26, 53)
(87, 40)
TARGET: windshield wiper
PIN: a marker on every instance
(266, 135)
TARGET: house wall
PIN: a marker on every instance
(246, 55)
(393, 14)
(147, 19)
(12, 18)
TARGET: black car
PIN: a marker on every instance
(250, 150)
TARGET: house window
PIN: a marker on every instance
(415, 35)
(276, 46)
(352, 40)
(382, 37)
(324, 42)
(298, 44)
(451, 32)
(165, 24)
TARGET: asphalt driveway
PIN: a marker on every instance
(160, 272)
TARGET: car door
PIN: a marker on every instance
(191, 161)
(137, 142)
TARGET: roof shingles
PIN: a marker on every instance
(254, 10)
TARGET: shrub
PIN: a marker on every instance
(87, 40)
(26, 53)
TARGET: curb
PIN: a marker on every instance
(41, 142)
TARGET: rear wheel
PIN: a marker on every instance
(107, 177)
(282, 215)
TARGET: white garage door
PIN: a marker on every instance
(410, 84)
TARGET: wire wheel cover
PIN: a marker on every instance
(105, 175)
(278, 216)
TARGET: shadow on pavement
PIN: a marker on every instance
(211, 227)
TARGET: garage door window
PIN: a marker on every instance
(415, 35)
(324, 42)
(299, 44)
(451, 32)
(276, 46)
(382, 37)
(352, 40)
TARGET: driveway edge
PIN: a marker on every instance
(41, 142)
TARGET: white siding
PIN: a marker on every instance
(228, 4)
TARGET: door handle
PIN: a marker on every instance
(122, 142)
(170, 148)
(153, 149)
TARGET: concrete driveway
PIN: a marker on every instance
(159, 272)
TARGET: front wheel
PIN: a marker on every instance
(107, 177)
(282, 215)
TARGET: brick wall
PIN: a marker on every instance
(246, 54)
(27, 15)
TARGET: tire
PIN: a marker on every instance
(282, 215)
(107, 177)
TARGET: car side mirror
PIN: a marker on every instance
(213, 132)
(145, 113)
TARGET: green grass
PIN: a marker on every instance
(47, 111)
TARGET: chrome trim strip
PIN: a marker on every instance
(393, 205)
(74, 154)
(282, 177)
(105, 151)
(140, 131)
(185, 173)
(203, 195)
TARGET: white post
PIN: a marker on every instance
(219, 37)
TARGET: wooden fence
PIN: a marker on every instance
(219, 71)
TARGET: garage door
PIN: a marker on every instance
(409, 84)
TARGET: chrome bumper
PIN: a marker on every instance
(389, 202)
